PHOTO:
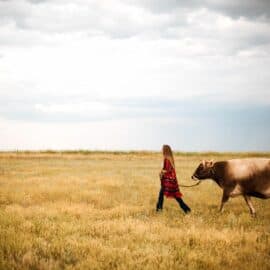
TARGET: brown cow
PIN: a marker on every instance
(246, 177)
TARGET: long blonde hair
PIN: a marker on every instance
(167, 153)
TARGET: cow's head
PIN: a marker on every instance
(204, 170)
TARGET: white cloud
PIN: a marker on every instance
(85, 107)
(67, 60)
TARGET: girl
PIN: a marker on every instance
(169, 185)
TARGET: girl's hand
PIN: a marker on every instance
(162, 173)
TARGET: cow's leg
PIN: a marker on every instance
(224, 199)
(250, 205)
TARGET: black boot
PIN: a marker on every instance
(184, 206)
(158, 208)
(160, 201)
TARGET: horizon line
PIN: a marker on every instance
(130, 151)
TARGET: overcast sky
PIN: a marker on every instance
(127, 74)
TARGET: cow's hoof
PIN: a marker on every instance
(254, 215)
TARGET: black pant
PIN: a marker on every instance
(181, 203)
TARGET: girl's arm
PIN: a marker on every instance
(167, 166)
(163, 170)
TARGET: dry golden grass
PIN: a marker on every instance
(97, 211)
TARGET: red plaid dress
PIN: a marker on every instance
(169, 181)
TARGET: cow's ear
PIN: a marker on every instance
(203, 163)
(209, 163)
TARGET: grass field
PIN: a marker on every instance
(91, 210)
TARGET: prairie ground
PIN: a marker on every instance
(94, 210)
